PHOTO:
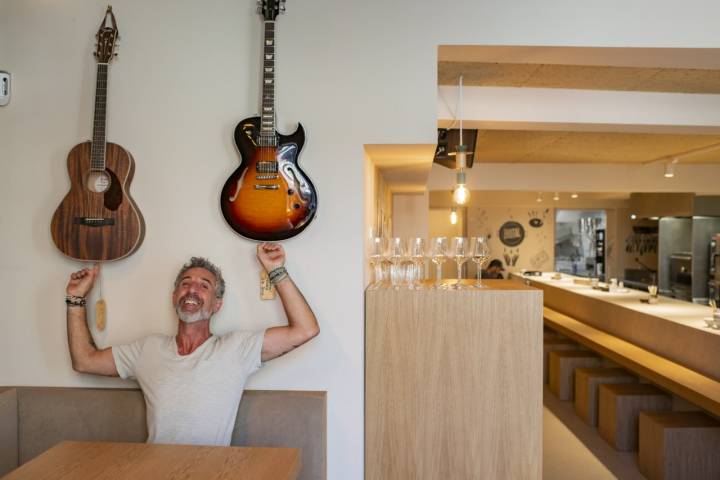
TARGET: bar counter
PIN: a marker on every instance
(672, 328)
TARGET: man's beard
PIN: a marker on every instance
(202, 314)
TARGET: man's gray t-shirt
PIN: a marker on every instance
(191, 399)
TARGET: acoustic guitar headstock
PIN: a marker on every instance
(270, 9)
(107, 37)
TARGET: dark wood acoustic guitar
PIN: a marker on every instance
(97, 220)
(268, 197)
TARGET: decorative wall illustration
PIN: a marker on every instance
(513, 239)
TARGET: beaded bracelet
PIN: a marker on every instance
(75, 301)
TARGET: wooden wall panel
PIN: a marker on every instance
(453, 383)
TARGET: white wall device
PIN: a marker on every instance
(4, 88)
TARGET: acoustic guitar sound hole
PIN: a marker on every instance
(98, 182)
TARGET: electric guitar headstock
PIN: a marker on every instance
(107, 38)
(270, 9)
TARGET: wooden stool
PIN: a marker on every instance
(678, 445)
(619, 406)
(587, 381)
(549, 333)
(551, 344)
(562, 365)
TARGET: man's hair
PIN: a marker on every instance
(496, 263)
(201, 262)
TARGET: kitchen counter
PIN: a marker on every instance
(671, 328)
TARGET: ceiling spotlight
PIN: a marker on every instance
(574, 195)
(453, 216)
(633, 216)
(539, 198)
(670, 168)
(556, 197)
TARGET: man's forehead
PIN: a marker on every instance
(201, 273)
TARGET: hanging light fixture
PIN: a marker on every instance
(461, 194)
(574, 195)
(556, 197)
(453, 216)
(539, 197)
(670, 168)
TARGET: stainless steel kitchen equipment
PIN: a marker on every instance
(681, 275)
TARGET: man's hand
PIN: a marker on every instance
(82, 281)
(270, 255)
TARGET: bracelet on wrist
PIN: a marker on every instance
(276, 275)
(75, 301)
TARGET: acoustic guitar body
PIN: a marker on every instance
(268, 197)
(98, 220)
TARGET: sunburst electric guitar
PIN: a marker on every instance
(97, 220)
(268, 197)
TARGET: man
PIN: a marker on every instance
(192, 382)
(494, 270)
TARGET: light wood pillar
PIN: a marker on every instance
(453, 383)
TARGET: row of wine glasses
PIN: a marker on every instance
(403, 260)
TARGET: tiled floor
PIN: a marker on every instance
(574, 451)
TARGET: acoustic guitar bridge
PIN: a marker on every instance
(94, 222)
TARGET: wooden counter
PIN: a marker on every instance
(672, 329)
(453, 383)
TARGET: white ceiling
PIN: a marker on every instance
(542, 139)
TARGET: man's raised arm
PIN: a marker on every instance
(86, 357)
(302, 324)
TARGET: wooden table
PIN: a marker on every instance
(112, 461)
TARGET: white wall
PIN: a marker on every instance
(410, 215)
(352, 72)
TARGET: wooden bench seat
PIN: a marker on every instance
(694, 387)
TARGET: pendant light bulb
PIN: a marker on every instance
(453, 216)
(461, 194)
(574, 195)
(556, 197)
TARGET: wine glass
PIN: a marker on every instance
(460, 251)
(417, 256)
(438, 255)
(480, 254)
(378, 246)
(397, 254)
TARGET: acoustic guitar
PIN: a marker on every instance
(98, 220)
(268, 197)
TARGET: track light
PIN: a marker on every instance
(670, 168)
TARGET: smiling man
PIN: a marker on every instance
(192, 382)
